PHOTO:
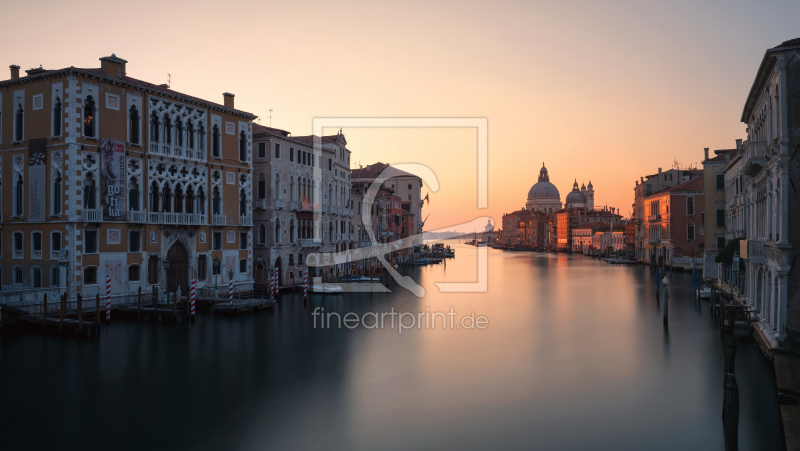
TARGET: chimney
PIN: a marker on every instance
(228, 99)
(14, 71)
(727, 157)
(641, 180)
(113, 66)
(739, 146)
(705, 149)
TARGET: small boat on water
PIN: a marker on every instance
(360, 279)
(705, 293)
(327, 288)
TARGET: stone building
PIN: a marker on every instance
(771, 208)
(302, 203)
(543, 197)
(108, 175)
(673, 224)
(713, 224)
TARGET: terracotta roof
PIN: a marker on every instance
(721, 154)
(696, 184)
(372, 171)
(310, 138)
(259, 129)
(522, 212)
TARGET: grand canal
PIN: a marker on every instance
(575, 356)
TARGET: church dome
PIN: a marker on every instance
(576, 197)
(544, 189)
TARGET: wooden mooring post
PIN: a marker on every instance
(666, 302)
(80, 313)
(155, 301)
(63, 308)
(730, 412)
(730, 355)
(139, 304)
(44, 311)
(97, 300)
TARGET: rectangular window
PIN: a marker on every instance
(330, 164)
(720, 218)
(90, 276)
(133, 273)
(243, 266)
(217, 241)
(243, 240)
(703, 218)
(720, 242)
(409, 186)
(291, 259)
(152, 269)
(201, 267)
(134, 243)
(291, 154)
(90, 241)
(262, 150)
(55, 276)
(277, 151)
(720, 181)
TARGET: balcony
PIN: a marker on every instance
(754, 157)
(654, 240)
(755, 249)
(166, 149)
(36, 254)
(18, 254)
(219, 220)
(137, 217)
(154, 148)
(294, 205)
(260, 203)
(246, 221)
(55, 255)
(309, 242)
(92, 215)
(177, 151)
(279, 203)
(653, 218)
(324, 209)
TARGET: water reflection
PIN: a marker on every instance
(575, 357)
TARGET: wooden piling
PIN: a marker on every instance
(155, 301)
(730, 355)
(666, 303)
(63, 307)
(174, 305)
(97, 300)
(80, 313)
(139, 304)
(730, 413)
(44, 311)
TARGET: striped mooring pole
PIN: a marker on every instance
(192, 294)
(305, 285)
(108, 298)
(276, 282)
(230, 286)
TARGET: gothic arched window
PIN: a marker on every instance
(134, 125)
(215, 141)
(242, 146)
(154, 127)
(57, 118)
(18, 126)
(88, 117)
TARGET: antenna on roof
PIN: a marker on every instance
(169, 80)
(270, 117)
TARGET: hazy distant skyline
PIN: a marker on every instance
(600, 91)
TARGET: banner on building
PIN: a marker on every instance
(114, 205)
(37, 179)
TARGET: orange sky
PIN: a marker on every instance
(606, 91)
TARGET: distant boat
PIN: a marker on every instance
(327, 289)
(360, 279)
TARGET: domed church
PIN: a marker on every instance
(543, 196)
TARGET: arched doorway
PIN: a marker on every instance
(259, 273)
(178, 272)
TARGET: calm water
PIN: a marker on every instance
(575, 357)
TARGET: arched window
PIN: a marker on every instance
(134, 125)
(167, 130)
(88, 117)
(57, 117)
(133, 195)
(216, 202)
(178, 199)
(154, 127)
(690, 231)
(89, 192)
(179, 132)
(291, 231)
(56, 198)
(166, 199)
(291, 189)
(242, 203)
(155, 197)
(201, 137)
(242, 146)
(277, 186)
(19, 125)
(201, 201)
(189, 200)
(215, 141)
(262, 234)
(190, 135)
(277, 231)
(690, 205)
